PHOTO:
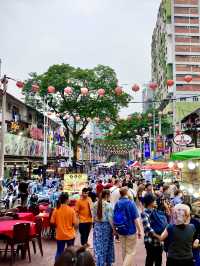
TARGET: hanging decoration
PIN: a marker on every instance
(188, 78)
(68, 90)
(153, 86)
(135, 87)
(51, 89)
(118, 90)
(101, 92)
(20, 84)
(170, 82)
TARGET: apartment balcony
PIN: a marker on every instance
(191, 70)
(186, 2)
(186, 15)
(195, 80)
(187, 48)
(188, 88)
(187, 40)
(186, 30)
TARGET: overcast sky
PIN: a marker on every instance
(38, 33)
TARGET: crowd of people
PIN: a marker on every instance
(123, 210)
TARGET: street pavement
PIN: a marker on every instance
(49, 251)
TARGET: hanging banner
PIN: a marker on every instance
(147, 153)
(74, 182)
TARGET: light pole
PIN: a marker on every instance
(4, 81)
(45, 151)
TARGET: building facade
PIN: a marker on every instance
(24, 138)
(176, 51)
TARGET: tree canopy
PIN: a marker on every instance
(136, 124)
(75, 109)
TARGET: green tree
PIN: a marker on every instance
(80, 108)
(135, 124)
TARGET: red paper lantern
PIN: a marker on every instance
(135, 87)
(20, 84)
(84, 91)
(153, 86)
(68, 90)
(118, 90)
(35, 87)
(188, 78)
(51, 89)
(101, 92)
(170, 82)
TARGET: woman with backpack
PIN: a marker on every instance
(103, 240)
(180, 237)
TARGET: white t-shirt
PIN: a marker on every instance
(114, 195)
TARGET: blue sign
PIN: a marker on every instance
(147, 153)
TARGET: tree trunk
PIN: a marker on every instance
(74, 159)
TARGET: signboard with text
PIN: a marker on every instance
(74, 182)
(182, 139)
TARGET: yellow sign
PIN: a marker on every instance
(74, 182)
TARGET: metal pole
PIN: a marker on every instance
(45, 135)
(150, 139)
(3, 127)
(174, 74)
(154, 127)
(70, 148)
(160, 125)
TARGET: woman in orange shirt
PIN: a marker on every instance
(64, 218)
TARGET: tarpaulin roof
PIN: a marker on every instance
(159, 167)
(186, 155)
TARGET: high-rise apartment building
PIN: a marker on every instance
(176, 50)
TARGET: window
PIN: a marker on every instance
(195, 98)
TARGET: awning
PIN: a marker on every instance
(186, 155)
(158, 167)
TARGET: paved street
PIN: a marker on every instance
(49, 250)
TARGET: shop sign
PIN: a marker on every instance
(147, 150)
(159, 145)
(182, 139)
(74, 182)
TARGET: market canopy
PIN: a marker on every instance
(186, 155)
(159, 167)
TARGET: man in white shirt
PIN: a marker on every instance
(114, 192)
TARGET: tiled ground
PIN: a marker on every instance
(49, 250)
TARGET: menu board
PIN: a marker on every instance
(74, 182)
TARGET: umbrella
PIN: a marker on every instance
(186, 155)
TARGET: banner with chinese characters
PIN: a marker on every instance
(74, 182)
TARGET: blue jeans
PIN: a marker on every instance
(61, 246)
